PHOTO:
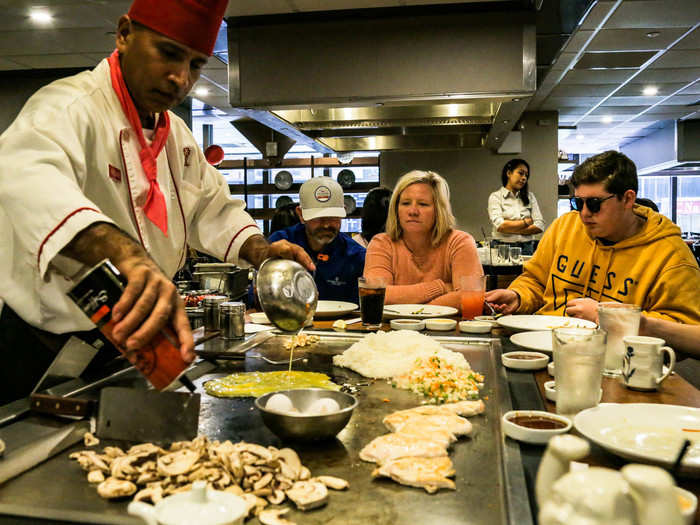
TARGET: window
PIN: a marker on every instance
(658, 189)
(688, 204)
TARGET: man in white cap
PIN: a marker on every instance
(339, 260)
(94, 167)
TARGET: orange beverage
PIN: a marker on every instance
(472, 303)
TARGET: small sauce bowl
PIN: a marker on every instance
(440, 324)
(522, 360)
(534, 426)
(407, 324)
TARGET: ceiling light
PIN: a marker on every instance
(650, 91)
(579, 136)
(41, 17)
(653, 34)
(607, 119)
(201, 91)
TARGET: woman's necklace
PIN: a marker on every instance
(418, 259)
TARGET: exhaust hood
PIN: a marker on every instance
(395, 81)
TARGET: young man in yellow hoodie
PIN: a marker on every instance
(607, 249)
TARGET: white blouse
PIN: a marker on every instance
(504, 205)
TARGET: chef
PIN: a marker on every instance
(95, 166)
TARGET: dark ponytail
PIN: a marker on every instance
(510, 166)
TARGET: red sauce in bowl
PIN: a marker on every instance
(523, 356)
(537, 422)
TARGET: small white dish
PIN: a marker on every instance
(407, 324)
(550, 368)
(689, 506)
(513, 425)
(487, 319)
(475, 327)
(550, 391)
(259, 318)
(522, 360)
(440, 324)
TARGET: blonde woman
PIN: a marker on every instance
(421, 257)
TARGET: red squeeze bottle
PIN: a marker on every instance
(160, 360)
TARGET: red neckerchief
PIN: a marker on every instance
(154, 208)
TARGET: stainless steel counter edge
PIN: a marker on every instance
(517, 501)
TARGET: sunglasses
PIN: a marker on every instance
(592, 203)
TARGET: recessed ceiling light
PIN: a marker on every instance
(201, 91)
(650, 91)
(41, 17)
(607, 119)
(653, 34)
(579, 136)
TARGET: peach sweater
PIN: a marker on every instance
(431, 280)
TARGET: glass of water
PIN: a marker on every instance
(516, 255)
(618, 320)
(503, 253)
(579, 354)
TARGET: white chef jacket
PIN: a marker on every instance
(71, 159)
(504, 205)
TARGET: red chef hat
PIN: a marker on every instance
(194, 23)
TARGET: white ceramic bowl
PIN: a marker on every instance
(440, 324)
(550, 391)
(550, 369)
(259, 318)
(688, 512)
(407, 324)
(487, 319)
(536, 436)
(534, 360)
(475, 327)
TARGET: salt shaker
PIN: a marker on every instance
(232, 320)
(211, 311)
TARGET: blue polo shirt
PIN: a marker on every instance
(338, 264)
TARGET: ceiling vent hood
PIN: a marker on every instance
(272, 144)
(393, 82)
(673, 150)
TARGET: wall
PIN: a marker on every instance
(473, 174)
(17, 86)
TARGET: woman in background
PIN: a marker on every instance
(513, 209)
(284, 217)
(421, 257)
(374, 212)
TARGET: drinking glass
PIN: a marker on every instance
(473, 288)
(516, 255)
(618, 320)
(579, 354)
(371, 292)
(503, 253)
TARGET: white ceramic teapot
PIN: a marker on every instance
(636, 495)
(200, 505)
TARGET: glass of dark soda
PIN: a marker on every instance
(372, 292)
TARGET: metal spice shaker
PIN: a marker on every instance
(232, 320)
(210, 305)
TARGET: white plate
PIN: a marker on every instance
(648, 432)
(542, 322)
(417, 311)
(540, 341)
(334, 308)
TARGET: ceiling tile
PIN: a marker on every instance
(693, 89)
(614, 59)
(576, 90)
(634, 89)
(658, 13)
(556, 102)
(692, 41)
(632, 101)
(619, 110)
(668, 75)
(586, 76)
(632, 40)
(597, 14)
(677, 59)
(682, 100)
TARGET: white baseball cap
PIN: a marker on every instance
(321, 197)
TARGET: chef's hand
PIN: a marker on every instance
(583, 308)
(504, 301)
(256, 249)
(150, 302)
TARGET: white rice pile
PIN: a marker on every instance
(388, 354)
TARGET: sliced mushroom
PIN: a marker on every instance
(115, 488)
(263, 493)
(277, 497)
(332, 482)
(95, 476)
(147, 477)
(147, 448)
(91, 460)
(153, 494)
(113, 452)
(254, 503)
(262, 482)
(272, 517)
(304, 473)
(308, 494)
(234, 489)
(223, 481)
(176, 463)
(256, 450)
(90, 440)
(122, 467)
(291, 464)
